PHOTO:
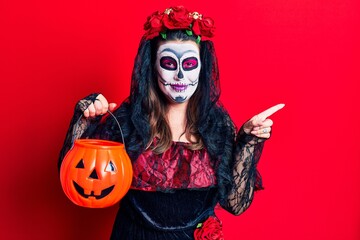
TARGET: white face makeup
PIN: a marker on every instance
(178, 66)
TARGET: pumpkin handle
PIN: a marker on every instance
(122, 135)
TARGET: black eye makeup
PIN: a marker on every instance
(168, 63)
(189, 63)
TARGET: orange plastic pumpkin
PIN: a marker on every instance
(96, 173)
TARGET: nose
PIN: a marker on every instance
(180, 75)
(94, 175)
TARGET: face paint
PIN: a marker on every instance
(178, 67)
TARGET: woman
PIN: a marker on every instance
(186, 155)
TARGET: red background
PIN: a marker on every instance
(305, 54)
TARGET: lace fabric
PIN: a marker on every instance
(176, 168)
(78, 125)
(246, 178)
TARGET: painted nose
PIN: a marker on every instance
(180, 75)
(94, 175)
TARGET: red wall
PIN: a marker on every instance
(302, 53)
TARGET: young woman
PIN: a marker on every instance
(187, 156)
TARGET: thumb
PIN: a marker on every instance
(256, 121)
(112, 106)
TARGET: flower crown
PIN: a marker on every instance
(178, 18)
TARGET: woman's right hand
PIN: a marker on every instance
(99, 107)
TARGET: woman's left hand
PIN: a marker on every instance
(260, 125)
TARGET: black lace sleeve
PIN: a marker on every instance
(79, 126)
(246, 178)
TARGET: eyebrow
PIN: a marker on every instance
(178, 54)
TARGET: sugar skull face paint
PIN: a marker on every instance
(178, 67)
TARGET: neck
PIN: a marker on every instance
(177, 111)
(176, 116)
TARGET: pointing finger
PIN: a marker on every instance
(270, 111)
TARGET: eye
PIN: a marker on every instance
(190, 63)
(110, 167)
(168, 63)
(80, 164)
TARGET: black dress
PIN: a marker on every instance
(171, 193)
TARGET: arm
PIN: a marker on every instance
(247, 151)
(87, 116)
(246, 178)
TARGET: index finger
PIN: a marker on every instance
(270, 111)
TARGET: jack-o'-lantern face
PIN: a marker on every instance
(95, 185)
(96, 176)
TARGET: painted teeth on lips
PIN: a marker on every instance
(179, 87)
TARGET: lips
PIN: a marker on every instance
(179, 87)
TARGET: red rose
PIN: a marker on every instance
(211, 229)
(207, 27)
(196, 27)
(154, 25)
(178, 18)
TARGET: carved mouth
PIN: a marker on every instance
(103, 194)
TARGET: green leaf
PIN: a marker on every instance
(199, 225)
(163, 35)
(189, 32)
(198, 39)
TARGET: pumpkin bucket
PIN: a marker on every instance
(96, 173)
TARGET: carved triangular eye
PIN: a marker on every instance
(80, 164)
(94, 175)
(110, 167)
